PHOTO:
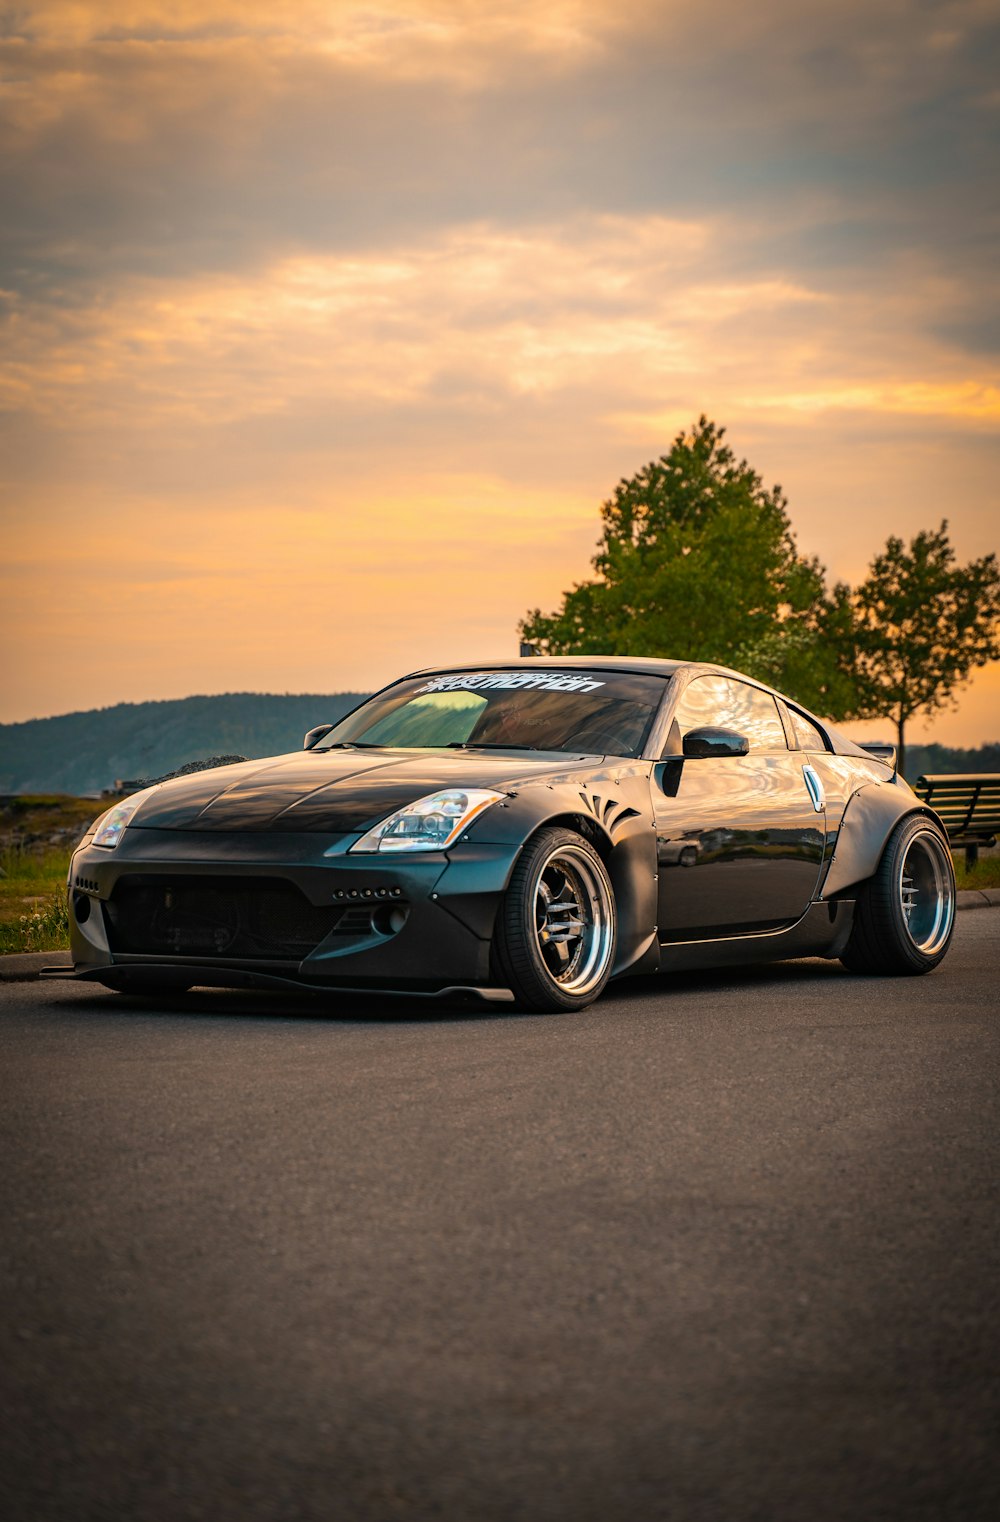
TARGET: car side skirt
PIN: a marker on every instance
(823, 931)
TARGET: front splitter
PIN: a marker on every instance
(215, 977)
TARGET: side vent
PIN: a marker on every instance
(608, 812)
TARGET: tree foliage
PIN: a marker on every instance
(697, 559)
(920, 624)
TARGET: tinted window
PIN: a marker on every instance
(601, 712)
(719, 702)
(807, 734)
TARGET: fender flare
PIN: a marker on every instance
(869, 818)
(615, 817)
(626, 842)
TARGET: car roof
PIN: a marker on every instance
(638, 663)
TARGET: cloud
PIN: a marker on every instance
(373, 32)
(191, 138)
(486, 386)
(604, 312)
(353, 313)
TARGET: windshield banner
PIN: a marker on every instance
(550, 681)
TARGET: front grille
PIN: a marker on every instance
(235, 917)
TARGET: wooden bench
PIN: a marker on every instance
(969, 806)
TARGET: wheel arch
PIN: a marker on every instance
(583, 824)
(612, 812)
(869, 818)
(627, 846)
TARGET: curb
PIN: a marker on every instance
(978, 898)
(26, 966)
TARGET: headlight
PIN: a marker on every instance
(110, 828)
(430, 824)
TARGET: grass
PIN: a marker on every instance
(37, 836)
(24, 815)
(985, 874)
(33, 899)
(43, 927)
(33, 885)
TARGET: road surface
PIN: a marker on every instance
(726, 1247)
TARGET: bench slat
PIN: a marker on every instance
(968, 803)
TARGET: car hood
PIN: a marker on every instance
(337, 791)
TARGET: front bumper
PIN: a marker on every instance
(196, 905)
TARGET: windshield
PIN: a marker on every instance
(595, 712)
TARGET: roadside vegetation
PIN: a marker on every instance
(33, 899)
(985, 874)
(38, 837)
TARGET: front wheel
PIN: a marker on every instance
(557, 926)
(905, 914)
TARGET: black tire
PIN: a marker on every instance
(557, 928)
(905, 914)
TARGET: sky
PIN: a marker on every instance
(325, 328)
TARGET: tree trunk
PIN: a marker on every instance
(901, 745)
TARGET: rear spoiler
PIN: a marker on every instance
(886, 753)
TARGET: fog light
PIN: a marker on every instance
(389, 919)
(81, 908)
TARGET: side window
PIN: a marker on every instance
(702, 702)
(758, 717)
(723, 703)
(807, 734)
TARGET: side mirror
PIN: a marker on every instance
(702, 743)
(314, 736)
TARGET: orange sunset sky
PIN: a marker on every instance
(327, 327)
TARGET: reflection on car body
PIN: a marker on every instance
(682, 853)
(524, 831)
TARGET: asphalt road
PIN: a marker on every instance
(724, 1248)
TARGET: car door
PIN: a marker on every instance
(739, 837)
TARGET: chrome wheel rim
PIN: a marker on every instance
(574, 922)
(925, 886)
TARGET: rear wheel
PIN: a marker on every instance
(905, 914)
(557, 926)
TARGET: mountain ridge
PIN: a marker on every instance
(88, 750)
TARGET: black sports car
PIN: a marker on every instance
(523, 831)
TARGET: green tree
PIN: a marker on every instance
(921, 624)
(697, 559)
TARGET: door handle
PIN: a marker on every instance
(815, 788)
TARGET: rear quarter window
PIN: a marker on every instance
(808, 736)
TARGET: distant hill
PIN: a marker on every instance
(924, 759)
(85, 752)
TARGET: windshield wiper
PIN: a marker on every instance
(351, 745)
(488, 745)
